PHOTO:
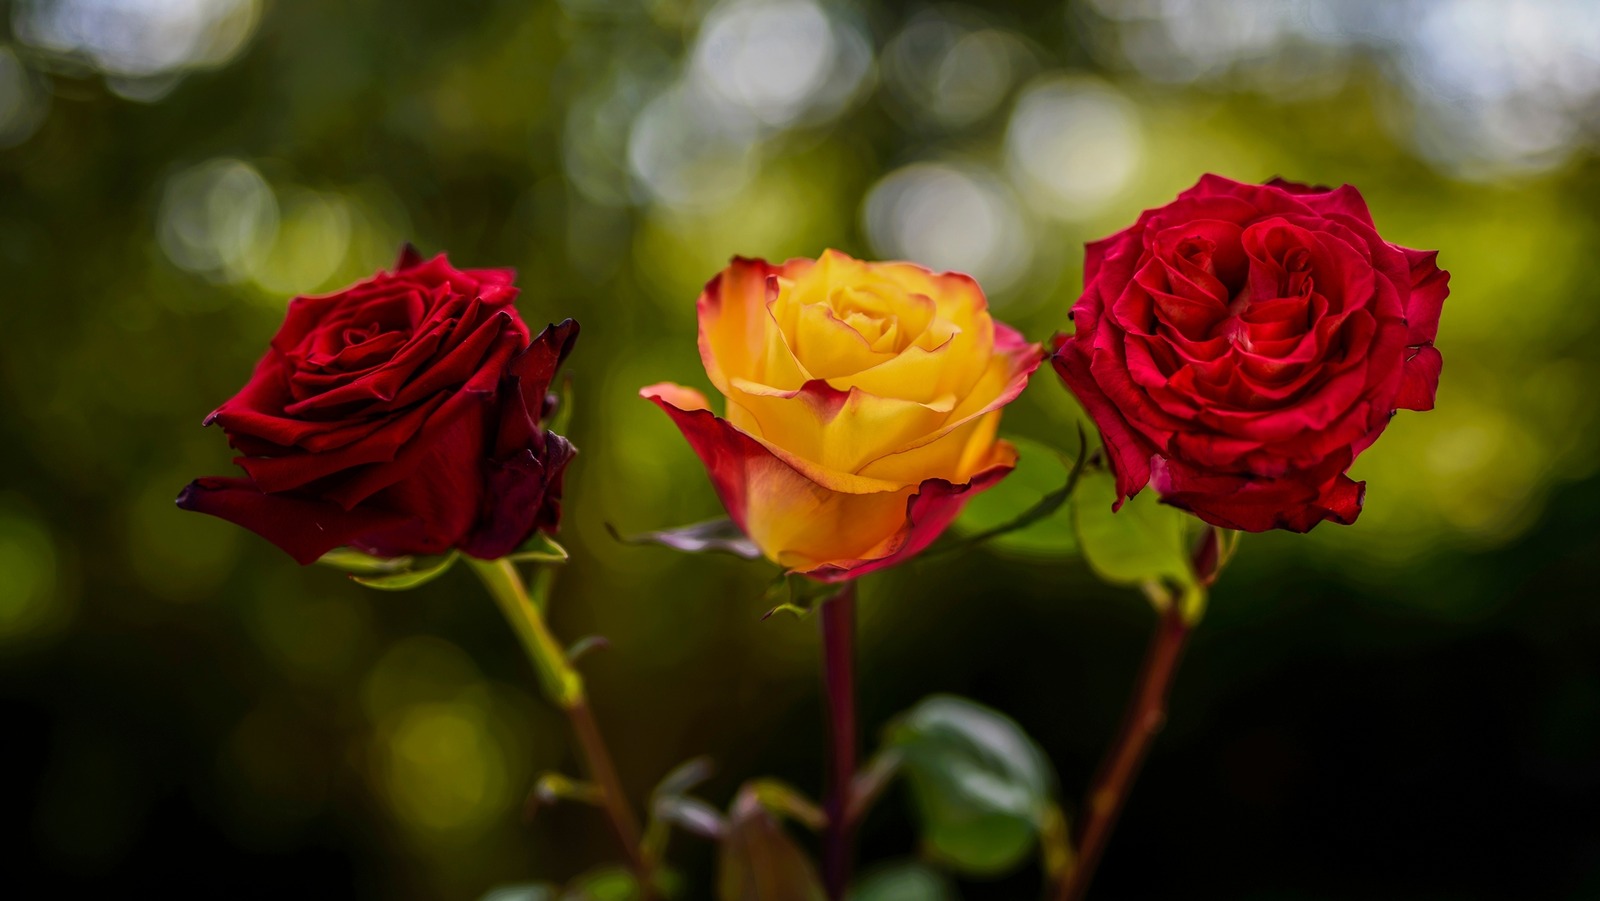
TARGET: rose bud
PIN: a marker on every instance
(862, 405)
(1240, 346)
(398, 416)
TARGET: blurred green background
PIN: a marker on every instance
(1405, 708)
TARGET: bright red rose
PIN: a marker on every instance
(399, 416)
(1238, 347)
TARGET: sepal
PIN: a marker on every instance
(712, 535)
(539, 548)
(795, 594)
(353, 561)
(392, 573)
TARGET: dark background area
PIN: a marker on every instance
(1407, 708)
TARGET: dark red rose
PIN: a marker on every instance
(399, 416)
(1238, 347)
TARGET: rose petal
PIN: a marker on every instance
(537, 365)
(929, 511)
(1126, 450)
(1430, 285)
(410, 257)
(298, 468)
(522, 492)
(305, 528)
(738, 335)
(1296, 502)
(1420, 380)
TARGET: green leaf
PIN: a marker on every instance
(1144, 542)
(353, 561)
(540, 548)
(904, 881)
(1026, 512)
(604, 884)
(712, 535)
(410, 578)
(981, 787)
(523, 891)
(759, 861)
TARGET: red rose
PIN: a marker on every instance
(1240, 346)
(398, 416)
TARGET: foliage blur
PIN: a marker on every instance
(1405, 708)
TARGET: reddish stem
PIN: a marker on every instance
(604, 773)
(1146, 713)
(838, 619)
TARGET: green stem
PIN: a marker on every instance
(564, 686)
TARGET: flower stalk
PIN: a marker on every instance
(1146, 712)
(564, 686)
(1145, 715)
(838, 621)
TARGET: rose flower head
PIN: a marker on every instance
(399, 416)
(1240, 346)
(863, 401)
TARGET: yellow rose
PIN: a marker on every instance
(862, 405)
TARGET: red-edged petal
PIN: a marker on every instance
(727, 453)
(929, 512)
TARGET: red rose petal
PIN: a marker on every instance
(304, 527)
